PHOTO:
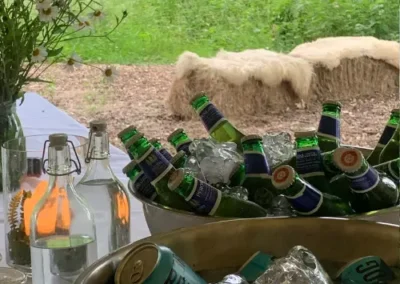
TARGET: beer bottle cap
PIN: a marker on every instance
(201, 94)
(126, 130)
(177, 156)
(176, 179)
(176, 131)
(283, 177)
(251, 137)
(129, 167)
(58, 139)
(332, 102)
(133, 140)
(348, 159)
(305, 133)
(98, 125)
(396, 110)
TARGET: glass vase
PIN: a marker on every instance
(10, 126)
(24, 183)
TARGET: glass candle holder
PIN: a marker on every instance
(24, 183)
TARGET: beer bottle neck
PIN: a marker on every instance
(139, 148)
(331, 110)
(394, 119)
(306, 142)
(186, 187)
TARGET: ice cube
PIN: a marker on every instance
(202, 148)
(233, 279)
(300, 266)
(217, 169)
(278, 147)
(228, 151)
(280, 206)
(236, 191)
(212, 169)
(192, 166)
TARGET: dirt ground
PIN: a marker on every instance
(137, 96)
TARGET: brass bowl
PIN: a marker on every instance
(217, 249)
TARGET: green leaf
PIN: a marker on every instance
(37, 80)
(54, 52)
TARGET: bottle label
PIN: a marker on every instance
(166, 154)
(364, 182)
(366, 270)
(153, 164)
(211, 117)
(329, 126)
(204, 198)
(256, 163)
(142, 185)
(386, 135)
(307, 201)
(184, 147)
(309, 162)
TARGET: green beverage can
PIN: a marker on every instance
(149, 263)
(365, 270)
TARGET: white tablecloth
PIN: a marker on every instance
(39, 116)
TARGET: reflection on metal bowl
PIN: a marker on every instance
(217, 249)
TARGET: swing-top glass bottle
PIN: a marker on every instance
(63, 241)
(105, 194)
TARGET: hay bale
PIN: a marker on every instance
(349, 67)
(248, 82)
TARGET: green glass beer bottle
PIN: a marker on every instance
(140, 182)
(329, 126)
(330, 169)
(306, 199)
(392, 149)
(371, 190)
(309, 160)
(392, 169)
(257, 171)
(373, 158)
(207, 200)
(179, 160)
(180, 140)
(126, 134)
(157, 168)
(157, 144)
(214, 121)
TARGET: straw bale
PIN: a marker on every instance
(248, 82)
(350, 67)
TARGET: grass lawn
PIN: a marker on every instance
(157, 31)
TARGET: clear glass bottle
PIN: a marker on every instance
(105, 194)
(62, 231)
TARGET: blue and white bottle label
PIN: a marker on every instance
(211, 117)
(153, 164)
(329, 126)
(143, 186)
(166, 154)
(364, 182)
(256, 164)
(184, 147)
(307, 201)
(309, 162)
(386, 135)
(204, 198)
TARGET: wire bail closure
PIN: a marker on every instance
(78, 166)
(89, 150)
